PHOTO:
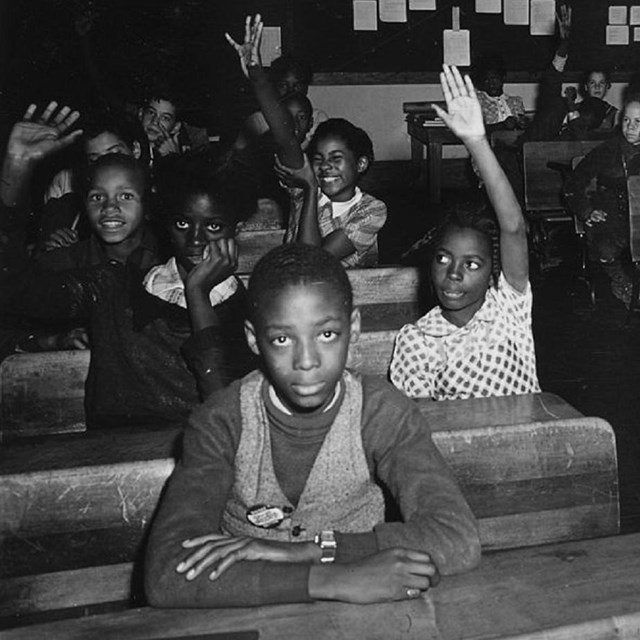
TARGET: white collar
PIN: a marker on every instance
(340, 208)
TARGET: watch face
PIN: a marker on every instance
(267, 517)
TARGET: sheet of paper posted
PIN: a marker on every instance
(516, 12)
(543, 17)
(393, 10)
(365, 15)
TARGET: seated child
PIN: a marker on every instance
(605, 210)
(137, 374)
(291, 452)
(62, 221)
(478, 340)
(330, 211)
(500, 111)
(288, 75)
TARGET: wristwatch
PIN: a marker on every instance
(326, 540)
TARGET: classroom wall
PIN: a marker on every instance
(378, 110)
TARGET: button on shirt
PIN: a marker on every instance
(492, 355)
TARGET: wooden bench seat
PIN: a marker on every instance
(44, 392)
(544, 474)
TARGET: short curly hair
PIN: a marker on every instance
(296, 264)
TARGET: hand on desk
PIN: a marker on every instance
(597, 215)
(222, 552)
(393, 574)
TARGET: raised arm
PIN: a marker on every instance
(464, 118)
(31, 140)
(277, 116)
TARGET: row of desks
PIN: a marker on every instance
(586, 590)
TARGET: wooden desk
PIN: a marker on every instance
(587, 590)
(430, 138)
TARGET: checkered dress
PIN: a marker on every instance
(498, 109)
(492, 355)
(360, 224)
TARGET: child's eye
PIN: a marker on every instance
(95, 197)
(127, 195)
(472, 265)
(441, 258)
(181, 225)
(280, 341)
(329, 335)
(214, 227)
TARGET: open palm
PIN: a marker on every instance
(464, 113)
(35, 139)
(249, 50)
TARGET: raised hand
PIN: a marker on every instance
(564, 22)
(249, 50)
(464, 113)
(35, 138)
(304, 176)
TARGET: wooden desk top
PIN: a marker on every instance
(587, 590)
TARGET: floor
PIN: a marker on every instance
(586, 354)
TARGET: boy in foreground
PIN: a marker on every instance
(276, 498)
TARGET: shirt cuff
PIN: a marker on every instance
(559, 62)
(283, 583)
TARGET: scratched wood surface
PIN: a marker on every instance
(44, 392)
(587, 590)
(527, 483)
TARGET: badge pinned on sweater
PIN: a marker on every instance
(266, 516)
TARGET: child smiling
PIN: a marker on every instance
(478, 340)
(277, 498)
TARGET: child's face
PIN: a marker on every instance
(291, 83)
(156, 114)
(303, 337)
(104, 143)
(115, 206)
(597, 85)
(493, 83)
(302, 119)
(460, 273)
(631, 122)
(337, 169)
(201, 221)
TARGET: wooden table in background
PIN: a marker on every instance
(585, 590)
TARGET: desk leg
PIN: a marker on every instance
(434, 163)
(417, 162)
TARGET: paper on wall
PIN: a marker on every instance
(636, 34)
(617, 15)
(271, 45)
(634, 15)
(617, 34)
(393, 10)
(457, 47)
(516, 12)
(365, 15)
(489, 6)
(543, 17)
(422, 5)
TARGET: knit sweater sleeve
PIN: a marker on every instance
(436, 516)
(193, 505)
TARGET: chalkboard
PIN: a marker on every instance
(323, 33)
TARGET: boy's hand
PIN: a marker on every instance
(223, 551)
(393, 574)
(302, 177)
(249, 50)
(62, 237)
(464, 113)
(219, 261)
(33, 139)
(167, 142)
(597, 215)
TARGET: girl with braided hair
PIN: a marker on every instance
(478, 340)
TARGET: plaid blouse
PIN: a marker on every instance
(492, 355)
(360, 223)
(497, 109)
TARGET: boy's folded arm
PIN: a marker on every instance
(192, 507)
(437, 518)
